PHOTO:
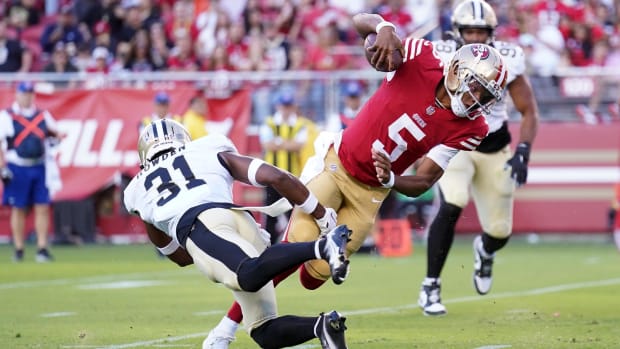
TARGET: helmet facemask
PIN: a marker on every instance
(474, 14)
(476, 71)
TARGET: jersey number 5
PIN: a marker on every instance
(404, 122)
(166, 180)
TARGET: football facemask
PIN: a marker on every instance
(473, 14)
(159, 136)
(475, 80)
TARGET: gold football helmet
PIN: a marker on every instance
(478, 71)
(159, 136)
(473, 14)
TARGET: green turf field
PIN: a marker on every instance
(560, 295)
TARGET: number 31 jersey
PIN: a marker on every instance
(174, 182)
(402, 119)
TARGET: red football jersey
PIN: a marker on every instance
(401, 117)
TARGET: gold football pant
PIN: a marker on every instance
(239, 228)
(488, 180)
(357, 205)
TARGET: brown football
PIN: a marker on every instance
(370, 40)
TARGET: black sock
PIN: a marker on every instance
(254, 273)
(492, 244)
(284, 331)
(440, 238)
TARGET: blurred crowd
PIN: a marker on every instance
(108, 37)
(272, 35)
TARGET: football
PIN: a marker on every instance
(396, 56)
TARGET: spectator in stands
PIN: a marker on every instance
(282, 137)
(182, 57)
(63, 29)
(24, 13)
(16, 57)
(99, 62)
(132, 21)
(60, 63)
(25, 129)
(139, 57)
(101, 32)
(396, 12)
(159, 46)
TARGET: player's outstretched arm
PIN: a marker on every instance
(257, 172)
(168, 247)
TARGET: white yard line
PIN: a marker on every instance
(533, 292)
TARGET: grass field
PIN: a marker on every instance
(548, 295)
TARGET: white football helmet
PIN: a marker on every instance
(476, 70)
(159, 136)
(473, 14)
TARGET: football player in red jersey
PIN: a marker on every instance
(415, 113)
(489, 174)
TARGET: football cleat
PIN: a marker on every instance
(330, 331)
(43, 256)
(333, 252)
(483, 266)
(430, 299)
(217, 341)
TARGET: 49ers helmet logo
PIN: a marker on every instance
(480, 51)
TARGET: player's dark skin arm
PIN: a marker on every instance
(386, 43)
(160, 239)
(427, 174)
(283, 182)
(523, 98)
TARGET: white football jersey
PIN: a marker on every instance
(514, 58)
(174, 182)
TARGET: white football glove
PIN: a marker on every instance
(328, 221)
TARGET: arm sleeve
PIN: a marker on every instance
(442, 154)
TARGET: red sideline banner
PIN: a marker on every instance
(102, 131)
(101, 142)
(572, 172)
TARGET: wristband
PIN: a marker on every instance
(310, 204)
(170, 248)
(384, 24)
(390, 183)
(252, 169)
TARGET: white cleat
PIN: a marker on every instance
(430, 299)
(217, 341)
(483, 267)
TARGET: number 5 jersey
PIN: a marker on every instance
(403, 119)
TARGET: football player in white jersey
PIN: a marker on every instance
(492, 172)
(183, 193)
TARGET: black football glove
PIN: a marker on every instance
(518, 163)
(6, 175)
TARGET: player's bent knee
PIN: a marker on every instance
(499, 230)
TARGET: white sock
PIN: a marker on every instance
(429, 281)
(617, 238)
(226, 327)
(317, 249)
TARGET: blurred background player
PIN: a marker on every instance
(183, 194)
(491, 172)
(25, 129)
(282, 136)
(352, 103)
(161, 110)
(354, 171)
